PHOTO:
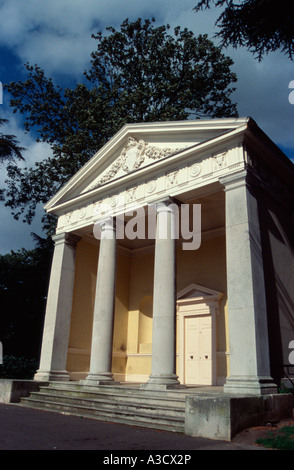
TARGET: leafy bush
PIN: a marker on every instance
(284, 389)
(283, 439)
(18, 368)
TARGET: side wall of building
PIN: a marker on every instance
(277, 237)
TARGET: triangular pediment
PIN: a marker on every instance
(134, 155)
(195, 291)
(135, 149)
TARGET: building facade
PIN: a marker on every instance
(173, 261)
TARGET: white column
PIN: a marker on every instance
(58, 310)
(163, 374)
(102, 334)
(247, 312)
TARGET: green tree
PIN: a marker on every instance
(138, 73)
(261, 26)
(9, 148)
(24, 277)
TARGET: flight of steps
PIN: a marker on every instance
(118, 404)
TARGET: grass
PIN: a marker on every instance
(282, 439)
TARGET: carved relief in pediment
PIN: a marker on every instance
(135, 154)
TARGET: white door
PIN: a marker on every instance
(198, 350)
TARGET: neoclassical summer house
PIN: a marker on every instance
(173, 261)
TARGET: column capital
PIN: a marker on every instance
(106, 221)
(165, 204)
(105, 228)
(66, 237)
(233, 181)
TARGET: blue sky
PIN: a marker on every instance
(56, 35)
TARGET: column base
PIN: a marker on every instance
(162, 382)
(250, 385)
(52, 376)
(99, 379)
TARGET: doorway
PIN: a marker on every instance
(197, 308)
(198, 350)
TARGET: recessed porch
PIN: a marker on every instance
(203, 269)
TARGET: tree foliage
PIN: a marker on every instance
(138, 73)
(261, 26)
(9, 148)
(24, 276)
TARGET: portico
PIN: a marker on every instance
(136, 295)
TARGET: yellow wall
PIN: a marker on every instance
(82, 309)
(121, 319)
(133, 307)
(206, 267)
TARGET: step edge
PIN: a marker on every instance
(143, 415)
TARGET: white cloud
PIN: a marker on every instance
(15, 234)
(35, 151)
(57, 36)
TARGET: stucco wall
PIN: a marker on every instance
(278, 246)
(82, 309)
(132, 344)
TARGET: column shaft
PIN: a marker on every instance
(164, 301)
(58, 310)
(247, 312)
(102, 335)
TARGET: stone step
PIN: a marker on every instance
(117, 395)
(122, 389)
(139, 417)
(113, 403)
(110, 403)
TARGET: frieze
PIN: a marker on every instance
(172, 178)
(131, 193)
(151, 186)
(82, 212)
(68, 217)
(194, 173)
(219, 160)
(195, 170)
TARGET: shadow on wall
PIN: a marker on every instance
(278, 264)
(145, 325)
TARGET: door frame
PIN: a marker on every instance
(193, 301)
